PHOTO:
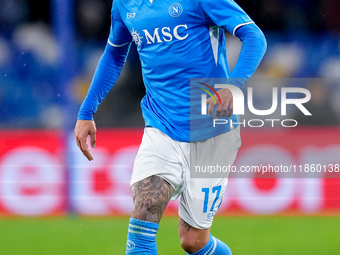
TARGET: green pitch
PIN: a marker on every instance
(262, 235)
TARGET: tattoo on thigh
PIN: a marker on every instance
(182, 223)
(150, 197)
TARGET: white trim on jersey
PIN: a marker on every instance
(241, 25)
(115, 45)
(214, 33)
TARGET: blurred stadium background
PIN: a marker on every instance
(52, 201)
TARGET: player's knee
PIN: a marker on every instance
(192, 239)
(189, 244)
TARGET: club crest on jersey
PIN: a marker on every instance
(136, 37)
(175, 10)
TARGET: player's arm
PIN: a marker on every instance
(253, 48)
(106, 75)
(228, 15)
(107, 72)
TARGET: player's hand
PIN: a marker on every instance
(226, 109)
(83, 129)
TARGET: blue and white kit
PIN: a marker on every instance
(176, 40)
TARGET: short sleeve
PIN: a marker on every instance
(224, 13)
(119, 34)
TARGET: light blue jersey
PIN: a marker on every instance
(177, 40)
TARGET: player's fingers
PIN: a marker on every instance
(82, 129)
(87, 154)
(218, 110)
(226, 108)
(211, 107)
(85, 149)
(93, 139)
(231, 110)
(78, 142)
(224, 112)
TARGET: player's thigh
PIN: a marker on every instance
(150, 198)
(203, 192)
(159, 155)
(200, 201)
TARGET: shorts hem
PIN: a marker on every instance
(191, 222)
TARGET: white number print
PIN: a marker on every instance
(131, 15)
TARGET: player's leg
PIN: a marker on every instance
(192, 239)
(199, 203)
(150, 196)
(204, 192)
(197, 209)
(200, 241)
(156, 177)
